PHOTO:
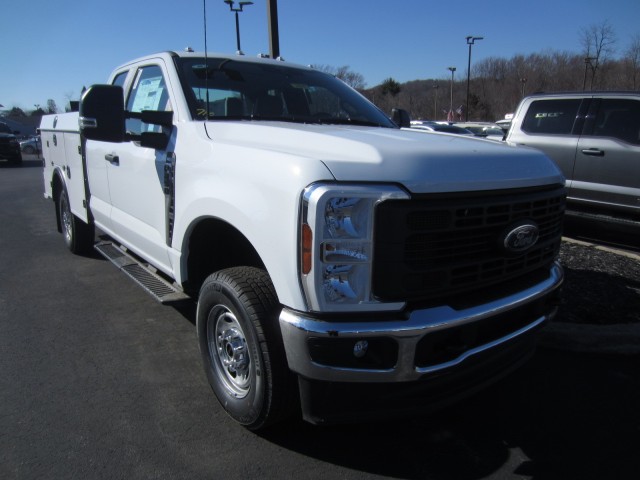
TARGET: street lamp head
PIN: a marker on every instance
(452, 69)
(471, 39)
(241, 5)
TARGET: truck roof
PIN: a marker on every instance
(168, 55)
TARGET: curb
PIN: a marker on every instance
(618, 339)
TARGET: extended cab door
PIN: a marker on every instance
(607, 170)
(137, 174)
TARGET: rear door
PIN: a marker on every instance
(607, 170)
(97, 163)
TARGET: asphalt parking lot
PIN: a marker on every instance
(97, 380)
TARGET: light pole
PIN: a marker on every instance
(236, 10)
(450, 115)
(523, 81)
(470, 41)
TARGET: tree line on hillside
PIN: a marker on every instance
(498, 84)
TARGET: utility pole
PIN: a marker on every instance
(450, 116)
(274, 38)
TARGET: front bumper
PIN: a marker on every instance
(426, 342)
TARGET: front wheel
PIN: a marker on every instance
(241, 346)
(78, 236)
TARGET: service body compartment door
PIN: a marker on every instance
(61, 148)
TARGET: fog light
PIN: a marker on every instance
(360, 348)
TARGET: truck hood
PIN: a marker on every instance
(423, 162)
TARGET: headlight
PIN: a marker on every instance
(336, 251)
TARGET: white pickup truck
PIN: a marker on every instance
(342, 265)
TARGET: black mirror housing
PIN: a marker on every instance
(401, 117)
(102, 115)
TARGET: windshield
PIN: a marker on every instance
(226, 89)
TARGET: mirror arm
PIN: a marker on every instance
(154, 117)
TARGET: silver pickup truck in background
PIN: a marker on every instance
(594, 137)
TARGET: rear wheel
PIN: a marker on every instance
(78, 235)
(241, 346)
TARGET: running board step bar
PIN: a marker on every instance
(602, 218)
(151, 282)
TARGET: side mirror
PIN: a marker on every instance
(401, 117)
(102, 115)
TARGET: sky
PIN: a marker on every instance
(51, 49)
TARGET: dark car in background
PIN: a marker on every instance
(9, 145)
(430, 126)
(31, 145)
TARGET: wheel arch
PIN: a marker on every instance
(212, 245)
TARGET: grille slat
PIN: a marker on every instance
(451, 245)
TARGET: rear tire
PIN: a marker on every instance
(241, 347)
(78, 235)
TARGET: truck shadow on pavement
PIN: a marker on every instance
(24, 164)
(561, 416)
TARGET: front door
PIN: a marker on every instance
(136, 175)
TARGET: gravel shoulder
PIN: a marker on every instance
(600, 310)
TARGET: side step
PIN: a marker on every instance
(151, 282)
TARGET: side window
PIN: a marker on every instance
(554, 117)
(618, 118)
(149, 92)
(120, 79)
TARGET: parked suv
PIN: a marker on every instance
(9, 145)
(594, 137)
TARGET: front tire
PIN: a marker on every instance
(78, 236)
(241, 346)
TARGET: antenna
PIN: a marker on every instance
(206, 59)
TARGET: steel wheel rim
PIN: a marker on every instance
(229, 351)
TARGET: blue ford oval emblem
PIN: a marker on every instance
(521, 238)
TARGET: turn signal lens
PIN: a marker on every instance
(307, 240)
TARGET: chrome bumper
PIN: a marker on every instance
(298, 329)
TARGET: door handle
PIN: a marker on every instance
(594, 152)
(112, 158)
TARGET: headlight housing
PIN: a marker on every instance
(337, 225)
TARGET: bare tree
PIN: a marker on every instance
(632, 62)
(51, 106)
(344, 73)
(598, 43)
